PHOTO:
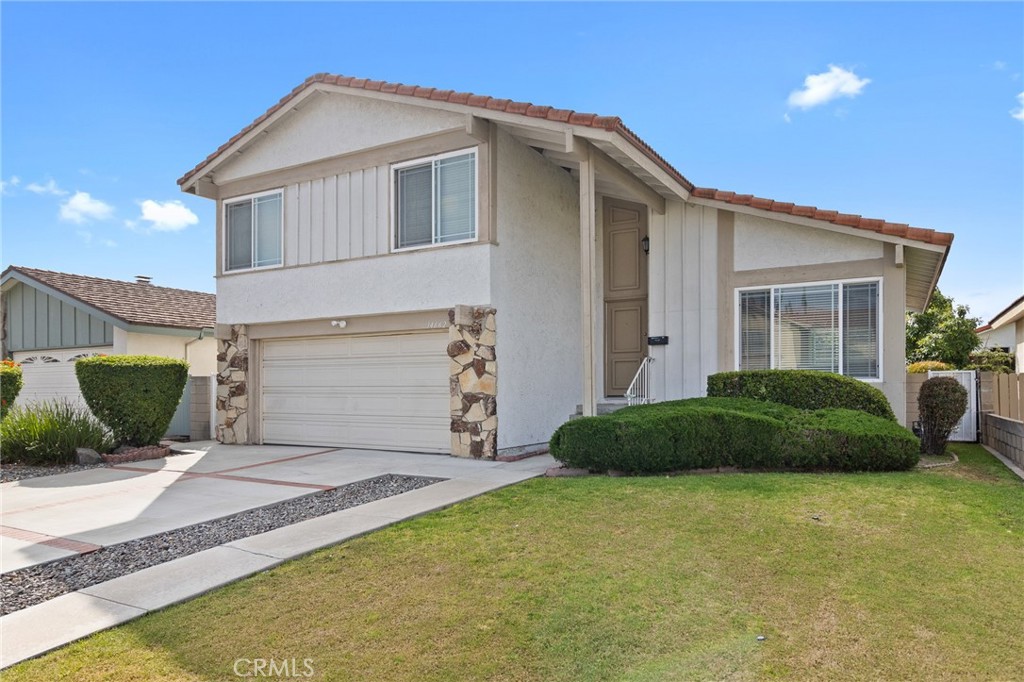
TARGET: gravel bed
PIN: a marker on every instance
(36, 584)
(19, 472)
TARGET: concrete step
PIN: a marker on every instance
(606, 407)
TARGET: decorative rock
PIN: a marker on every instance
(473, 382)
(87, 456)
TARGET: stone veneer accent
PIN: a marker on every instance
(232, 377)
(473, 382)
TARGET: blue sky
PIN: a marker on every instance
(911, 112)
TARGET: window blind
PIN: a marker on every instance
(413, 192)
(239, 235)
(455, 198)
(268, 230)
(860, 330)
(755, 329)
(807, 328)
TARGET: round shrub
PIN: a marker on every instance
(47, 433)
(10, 385)
(925, 366)
(704, 433)
(135, 396)
(804, 389)
(941, 402)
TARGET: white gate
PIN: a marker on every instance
(967, 429)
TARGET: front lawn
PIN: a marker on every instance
(847, 576)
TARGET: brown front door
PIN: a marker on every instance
(625, 294)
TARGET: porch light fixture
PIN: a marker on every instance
(645, 244)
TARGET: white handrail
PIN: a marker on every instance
(639, 391)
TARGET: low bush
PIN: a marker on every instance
(135, 396)
(848, 440)
(703, 433)
(48, 433)
(804, 389)
(10, 385)
(925, 366)
(941, 403)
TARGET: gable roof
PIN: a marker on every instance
(133, 303)
(611, 124)
(1011, 313)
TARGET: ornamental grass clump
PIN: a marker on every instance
(47, 433)
(10, 385)
(941, 403)
(135, 396)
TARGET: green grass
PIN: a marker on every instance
(912, 575)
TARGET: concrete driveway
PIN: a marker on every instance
(51, 517)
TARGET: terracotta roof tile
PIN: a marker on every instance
(918, 234)
(132, 302)
(609, 123)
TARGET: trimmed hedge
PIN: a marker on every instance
(703, 433)
(804, 389)
(135, 396)
(10, 385)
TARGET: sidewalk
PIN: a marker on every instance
(56, 516)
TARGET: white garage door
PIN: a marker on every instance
(378, 392)
(50, 374)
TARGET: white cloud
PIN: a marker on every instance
(166, 216)
(81, 208)
(49, 188)
(821, 88)
(1018, 113)
(109, 243)
(6, 185)
(999, 65)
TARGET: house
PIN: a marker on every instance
(409, 268)
(1006, 331)
(51, 319)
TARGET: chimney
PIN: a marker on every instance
(143, 279)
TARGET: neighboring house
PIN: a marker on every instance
(428, 270)
(51, 319)
(1006, 330)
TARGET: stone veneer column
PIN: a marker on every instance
(232, 376)
(473, 382)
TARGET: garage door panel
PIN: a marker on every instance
(385, 392)
(50, 374)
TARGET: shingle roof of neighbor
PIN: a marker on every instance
(132, 302)
(609, 123)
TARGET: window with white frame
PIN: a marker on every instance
(832, 327)
(435, 200)
(253, 231)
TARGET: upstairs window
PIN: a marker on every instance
(435, 200)
(253, 229)
(831, 327)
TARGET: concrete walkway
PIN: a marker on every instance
(52, 517)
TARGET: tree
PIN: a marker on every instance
(943, 332)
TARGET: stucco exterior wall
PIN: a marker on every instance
(1003, 337)
(763, 243)
(535, 285)
(202, 355)
(414, 280)
(1019, 326)
(331, 124)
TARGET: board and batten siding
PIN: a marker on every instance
(36, 321)
(337, 217)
